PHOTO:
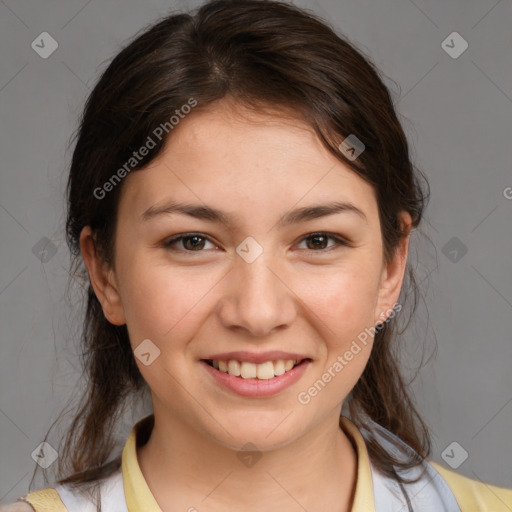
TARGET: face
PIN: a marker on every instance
(257, 282)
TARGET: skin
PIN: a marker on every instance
(296, 296)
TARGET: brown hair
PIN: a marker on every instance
(263, 54)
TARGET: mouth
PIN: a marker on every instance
(262, 371)
(256, 380)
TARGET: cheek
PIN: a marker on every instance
(164, 302)
(343, 308)
(344, 299)
(160, 301)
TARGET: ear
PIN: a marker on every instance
(103, 280)
(393, 274)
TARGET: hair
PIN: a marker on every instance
(263, 55)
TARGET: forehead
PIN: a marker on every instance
(227, 155)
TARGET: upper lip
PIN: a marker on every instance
(257, 358)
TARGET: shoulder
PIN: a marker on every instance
(64, 498)
(473, 495)
(18, 506)
(40, 500)
(432, 486)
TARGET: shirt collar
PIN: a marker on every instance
(140, 499)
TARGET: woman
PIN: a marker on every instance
(242, 197)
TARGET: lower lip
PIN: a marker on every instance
(258, 387)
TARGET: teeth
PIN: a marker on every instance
(263, 371)
(288, 365)
(248, 370)
(279, 367)
(234, 368)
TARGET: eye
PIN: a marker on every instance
(195, 242)
(192, 242)
(319, 240)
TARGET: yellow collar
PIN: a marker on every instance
(139, 497)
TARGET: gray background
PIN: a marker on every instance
(457, 113)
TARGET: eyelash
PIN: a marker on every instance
(340, 242)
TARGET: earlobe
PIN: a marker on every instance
(393, 275)
(102, 278)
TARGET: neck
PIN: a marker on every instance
(185, 469)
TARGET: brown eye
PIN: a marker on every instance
(193, 242)
(318, 242)
(189, 243)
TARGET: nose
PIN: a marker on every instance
(257, 298)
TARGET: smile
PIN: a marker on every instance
(248, 370)
(255, 380)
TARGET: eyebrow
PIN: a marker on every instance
(214, 215)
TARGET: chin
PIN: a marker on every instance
(267, 431)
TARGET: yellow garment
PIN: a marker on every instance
(45, 500)
(471, 495)
(474, 496)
